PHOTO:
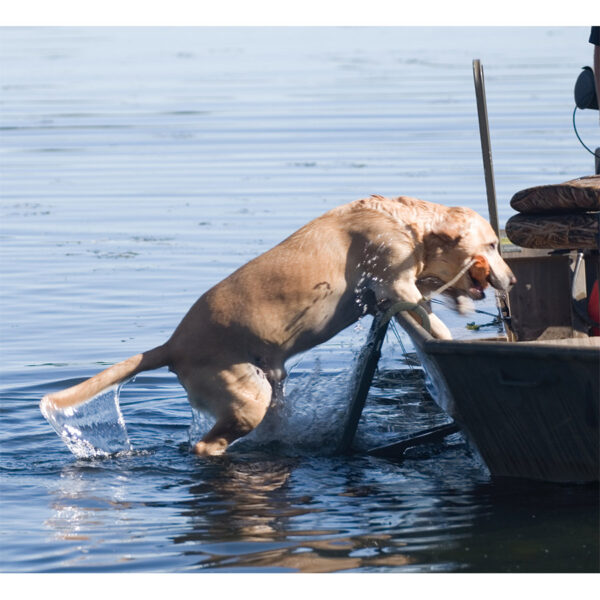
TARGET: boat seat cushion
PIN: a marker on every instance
(577, 195)
(557, 232)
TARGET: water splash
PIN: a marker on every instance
(92, 429)
(202, 422)
(310, 416)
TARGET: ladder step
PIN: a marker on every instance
(426, 436)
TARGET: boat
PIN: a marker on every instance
(530, 408)
(527, 400)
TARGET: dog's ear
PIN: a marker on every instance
(446, 233)
(450, 227)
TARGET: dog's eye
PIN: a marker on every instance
(493, 246)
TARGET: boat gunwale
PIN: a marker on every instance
(539, 348)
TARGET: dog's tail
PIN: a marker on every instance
(153, 359)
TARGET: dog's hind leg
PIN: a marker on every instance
(241, 396)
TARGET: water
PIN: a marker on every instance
(93, 428)
(139, 167)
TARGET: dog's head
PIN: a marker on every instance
(458, 237)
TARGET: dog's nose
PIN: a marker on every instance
(512, 280)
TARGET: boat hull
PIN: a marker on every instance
(531, 409)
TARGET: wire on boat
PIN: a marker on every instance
(577, 134)
(399, 339)
(477, 310)
(496, 322)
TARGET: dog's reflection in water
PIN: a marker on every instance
(241, 513)
(246, 518)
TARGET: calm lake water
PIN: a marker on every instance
(141, 166)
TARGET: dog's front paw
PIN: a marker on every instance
(464, 305)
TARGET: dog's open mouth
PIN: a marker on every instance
(471, 287)
(476, 288)
(479, 278)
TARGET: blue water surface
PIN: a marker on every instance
(141, 166)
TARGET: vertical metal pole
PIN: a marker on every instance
(486, 148)
(490, 188)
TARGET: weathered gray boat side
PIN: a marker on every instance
(531, 409)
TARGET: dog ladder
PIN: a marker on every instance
(361, 382)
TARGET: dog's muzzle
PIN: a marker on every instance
(483, 274)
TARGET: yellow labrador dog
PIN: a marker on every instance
(230, 349)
